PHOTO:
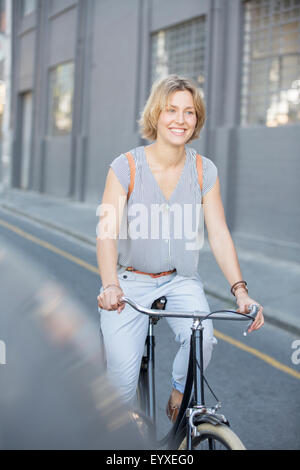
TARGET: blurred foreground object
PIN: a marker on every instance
(53, 391)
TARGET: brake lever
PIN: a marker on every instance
(254, 311)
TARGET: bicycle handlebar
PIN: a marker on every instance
(217, 315)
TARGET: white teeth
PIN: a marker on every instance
(178, 131)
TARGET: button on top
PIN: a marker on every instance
(125, 276)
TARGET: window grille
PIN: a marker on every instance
(28, 6)
(61, 88)
(180, 50)
(270, 92)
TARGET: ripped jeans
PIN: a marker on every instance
(124, 334)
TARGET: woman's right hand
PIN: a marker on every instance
(109, 299)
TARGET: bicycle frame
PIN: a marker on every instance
(192, 410)
(149, 359)
(195, 377)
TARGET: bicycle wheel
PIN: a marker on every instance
(214, 437)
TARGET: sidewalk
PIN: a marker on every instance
(272, 282)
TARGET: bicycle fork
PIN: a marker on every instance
(151, 405)
(199, 410)
(197, 358)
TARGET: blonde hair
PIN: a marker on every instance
(157, 101)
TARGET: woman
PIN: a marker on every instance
(150, 262)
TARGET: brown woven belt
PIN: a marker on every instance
(151, 274)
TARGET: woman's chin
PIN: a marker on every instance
(174, 142)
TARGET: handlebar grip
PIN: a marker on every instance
(254, 311)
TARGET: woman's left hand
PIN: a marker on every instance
(244, 301)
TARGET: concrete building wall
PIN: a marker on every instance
(62, 32)
(27, 49)
(109, 42)
(114, 85)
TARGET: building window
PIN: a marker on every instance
(181, 50)
(270, 93)
(29, 6)
(61, 88)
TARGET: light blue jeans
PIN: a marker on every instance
(124, 334)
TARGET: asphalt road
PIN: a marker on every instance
(254, 377)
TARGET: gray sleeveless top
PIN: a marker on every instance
(157, 234)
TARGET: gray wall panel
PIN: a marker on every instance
(57, 166)
(27, 22)
(58, 6)
(27, 55)
(266, 183)
(113, 88)
(170, 12)
(40, 95)
(63, 37)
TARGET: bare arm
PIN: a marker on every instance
(112, 206)
(223, 248)
(219, 237)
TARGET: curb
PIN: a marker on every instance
(274, 319)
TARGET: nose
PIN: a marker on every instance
(180, 117)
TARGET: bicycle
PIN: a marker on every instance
(196, 424)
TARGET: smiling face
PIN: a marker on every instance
(176, 123)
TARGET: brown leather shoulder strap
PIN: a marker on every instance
(199, 170)
(132, 173)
